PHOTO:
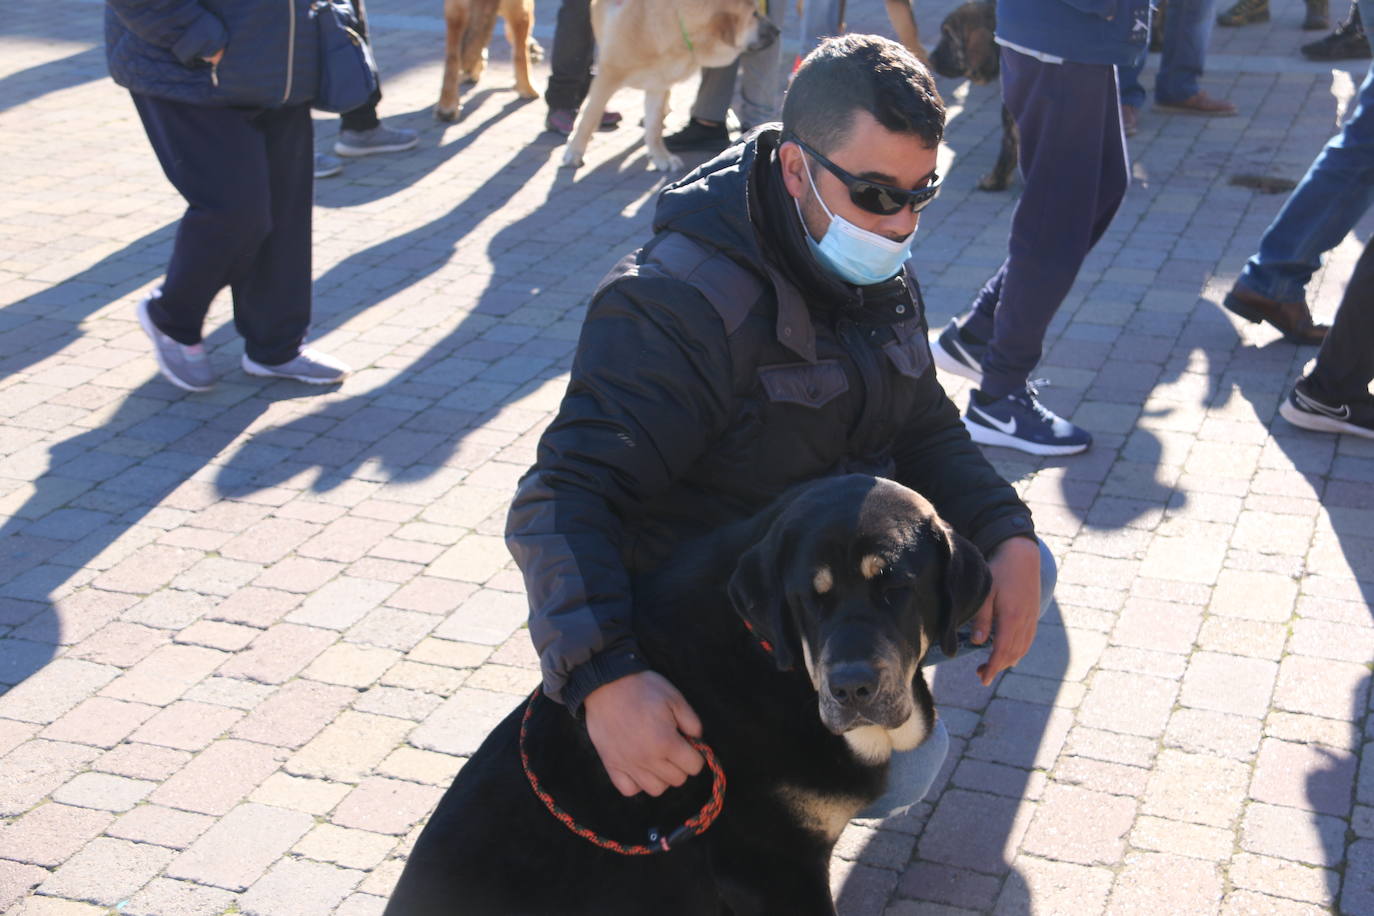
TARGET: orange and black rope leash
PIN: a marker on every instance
(658, 841)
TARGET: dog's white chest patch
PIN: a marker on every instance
(875, 744)
(825, 814)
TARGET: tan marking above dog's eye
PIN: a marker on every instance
(871, 565)
(824, 580)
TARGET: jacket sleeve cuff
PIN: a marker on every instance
(205, 36)
(600, 669)
(1010, 526)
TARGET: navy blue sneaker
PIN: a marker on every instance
(955, 350)
(1021, 422)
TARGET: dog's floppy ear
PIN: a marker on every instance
(967, 581)
(759, 595)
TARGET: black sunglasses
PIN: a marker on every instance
(879, 199)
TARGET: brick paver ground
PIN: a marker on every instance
(248, 636)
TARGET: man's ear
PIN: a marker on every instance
(967, 582)
(759, 596)
(792, 162)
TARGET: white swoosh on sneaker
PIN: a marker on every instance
(1318, 407)
(1005, 426)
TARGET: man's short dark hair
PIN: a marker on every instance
(861, 72)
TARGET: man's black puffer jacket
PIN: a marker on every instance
(717, 367)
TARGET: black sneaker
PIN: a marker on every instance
(1021, 422)
(1302, 409)
(698, 137)
(1348, 42)
(957, 351)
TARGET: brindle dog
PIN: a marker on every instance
(967, 50)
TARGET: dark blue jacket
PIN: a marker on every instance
(156, 48)
(1084, 31)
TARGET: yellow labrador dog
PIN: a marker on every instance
(652, 44)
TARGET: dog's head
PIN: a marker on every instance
(966, 47)
(860, 577)
(738, 27)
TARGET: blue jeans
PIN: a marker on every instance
(1187, 29)
(1336, 191)
(911, 773)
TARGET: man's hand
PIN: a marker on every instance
(636, 724)
(213, 59)
(1012, 608)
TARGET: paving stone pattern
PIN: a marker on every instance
(247, 637)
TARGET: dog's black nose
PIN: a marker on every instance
(854, 684)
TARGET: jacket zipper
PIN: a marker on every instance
(290, 51)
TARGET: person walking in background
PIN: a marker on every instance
(574, 49)
(1336, 191)
(1334, 397)
(1187, 29)
(361, 132)
(1059, 83)
(223, 88)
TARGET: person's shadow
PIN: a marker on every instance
(491, 356)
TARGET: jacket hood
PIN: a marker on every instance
(737, 204)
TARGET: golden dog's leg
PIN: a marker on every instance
(481, 26)
(455, 22)
(518, 15)
(604, 85)
(655, 109)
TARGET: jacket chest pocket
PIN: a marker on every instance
(910, 357)
(807, 384)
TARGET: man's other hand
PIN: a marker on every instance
(637, 724)
(1011, 612)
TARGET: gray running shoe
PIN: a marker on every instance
(186, 367)
(380, 139)
(310, 366)
(327, 166)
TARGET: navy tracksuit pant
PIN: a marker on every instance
(1073, 163)
(248, 179)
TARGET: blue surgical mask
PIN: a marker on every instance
(855, 255)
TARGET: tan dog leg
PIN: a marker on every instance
(481, 26)
(518, 14)
(604, 85)
(455, 21)
(655, 109)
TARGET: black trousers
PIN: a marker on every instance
(364, 117)
(248, 179)
(1345, 363)
(570, 64)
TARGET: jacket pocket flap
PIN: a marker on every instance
(808, 384)
(911, 357)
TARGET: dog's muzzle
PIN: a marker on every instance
(859, 693)
(765, 35)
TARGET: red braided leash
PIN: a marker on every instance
(659, 842)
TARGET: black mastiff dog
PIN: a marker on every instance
(967, 50)
(796, 635)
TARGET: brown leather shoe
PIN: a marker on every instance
(1200, 103)
(1292, 319)
(1130, 120)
